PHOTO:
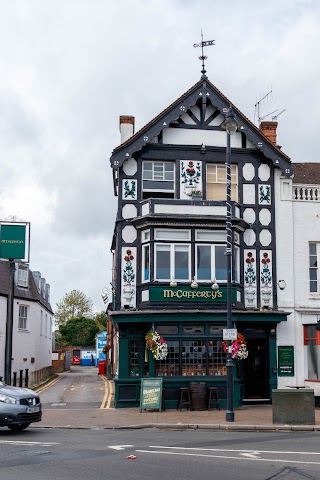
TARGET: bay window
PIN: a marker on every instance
(146, 262)
(211, 262)
(172, 261)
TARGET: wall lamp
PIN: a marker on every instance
(194, 283)
(173, 283)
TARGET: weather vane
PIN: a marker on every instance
(203, 44)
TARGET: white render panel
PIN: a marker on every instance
(129, 211)
(265, 216)
(249, 194)
(196, 111)
(191, 209)
(128, 276)
(264, 172)
(266, 278)
(249, 215)
(129, 234)
(145, 208)
(145, 296)
(216, 122)
(248, 172)
(209, 111)
(184, 136)
(250, 278)
(265, 237)
(130, 167)
(249, 237)
(187, 119)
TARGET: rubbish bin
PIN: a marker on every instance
(198, 391)
(102, 367)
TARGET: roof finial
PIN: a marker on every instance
(203, 57)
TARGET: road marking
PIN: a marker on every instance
(229, 458)
(47, 385)
(230, 450)
(111, 392)
(250, 455)
(31, 444)
(106, 386)
(120, 447)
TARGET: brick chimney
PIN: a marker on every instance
(269, 130)
(126, 125)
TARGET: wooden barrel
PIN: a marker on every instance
(198, 391)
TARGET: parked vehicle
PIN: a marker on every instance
(18, 407)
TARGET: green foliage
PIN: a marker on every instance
(78, 331)
(73, 305)
(101, 320)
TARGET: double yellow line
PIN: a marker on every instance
(109, 392)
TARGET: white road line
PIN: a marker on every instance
(229, 450)
(25, 443)
(120, 447)
(228, 458)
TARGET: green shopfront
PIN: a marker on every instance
(195, 352)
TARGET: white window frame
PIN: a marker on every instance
(213, 260)
(23, 317)
(213, 236)
(171, 234)
(153, 179)
(50, 331)
(46, 326)
(23, 274)
(145, 236)
(317, 244)
(172, 263)
(220, 167)
(144, 249)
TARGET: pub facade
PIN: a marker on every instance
(169, 245)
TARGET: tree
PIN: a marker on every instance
(73, 305)
(78, 331)
(101, 320)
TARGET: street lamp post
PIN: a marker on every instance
(231, 126)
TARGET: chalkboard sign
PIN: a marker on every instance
(151, 394)
(286, 361)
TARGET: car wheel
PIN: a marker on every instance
(18, 428)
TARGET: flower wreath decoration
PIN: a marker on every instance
(156, 345)
(239, 347)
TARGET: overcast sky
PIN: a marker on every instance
(70, 68)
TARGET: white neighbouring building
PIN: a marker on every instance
(32, 323)
(298, 252)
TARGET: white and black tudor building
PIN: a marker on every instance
(169, 247)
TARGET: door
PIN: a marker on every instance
(255, 369)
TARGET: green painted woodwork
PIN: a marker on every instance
(188, 294)
(13, 241)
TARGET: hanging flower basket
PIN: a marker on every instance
(156, 345)
(239, 348)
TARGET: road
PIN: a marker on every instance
(80, 454)
(38, 454)
(82, 387)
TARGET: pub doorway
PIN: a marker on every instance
(256, 368)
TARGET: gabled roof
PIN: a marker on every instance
(203, 89)
(27, 293)
(306, 173)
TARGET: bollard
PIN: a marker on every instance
(20, 377)
(26, 380)
(14, 379)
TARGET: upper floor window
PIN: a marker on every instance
(23, 317)
(22, 275)
(313, 266)
(211, 262)
(216, 182)
(146, 262)
(163, 234)
(158, 178)
(172, 261)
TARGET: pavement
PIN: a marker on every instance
(246, 418)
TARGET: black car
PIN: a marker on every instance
(18, 407)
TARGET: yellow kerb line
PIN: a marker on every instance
(106, 393)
